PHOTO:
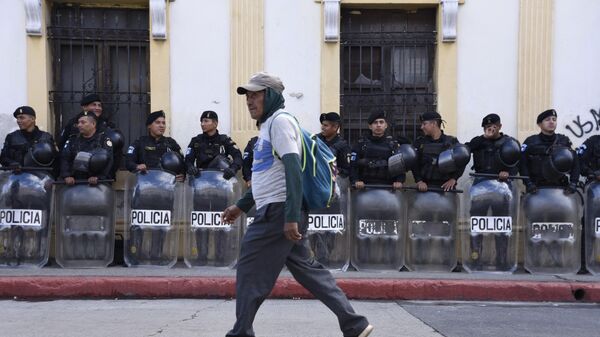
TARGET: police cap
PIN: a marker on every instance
(375, 116)
(430, 116)
(154, 116)
(88, 114)
(330, 117)
(490, 119)
(209, 114)
(24, 110)
(546, 114)
(89, 99)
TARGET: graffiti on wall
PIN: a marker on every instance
(584, 124)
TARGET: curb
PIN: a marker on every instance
(93, 287)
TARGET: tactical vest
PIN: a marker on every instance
(373, 162)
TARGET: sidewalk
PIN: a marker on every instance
(210, 282)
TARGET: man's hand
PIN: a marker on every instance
(69, 180)
(503, 175)
(359, 185)
(142, 168)
(16, 169)
(93, 180)
(249, 183)
(449, 185)
(228, 173)
(230, 214)
(422, 186)
(179, 178)
(397, 185)
(290, 230)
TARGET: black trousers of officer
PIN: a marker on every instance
(480, 207)
(264, 252)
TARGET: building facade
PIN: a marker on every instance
(463, 58)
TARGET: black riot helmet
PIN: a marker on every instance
(98, 161)
(171, 162)
(40, 154)
(116, 138)
(454, 159)
(509, 153)
(557, 163)
(403, 161)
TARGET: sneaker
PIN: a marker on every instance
(367, 331)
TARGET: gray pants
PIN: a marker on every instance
(264, 252)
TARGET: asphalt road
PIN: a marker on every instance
(279, 318)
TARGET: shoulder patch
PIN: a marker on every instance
(523, 147)
(108, 143)
(130, 149)
(188, 151)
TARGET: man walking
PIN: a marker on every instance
(276, 237)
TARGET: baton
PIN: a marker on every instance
(411, 188)
(83, 181)
(491, 175)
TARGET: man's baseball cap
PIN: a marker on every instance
(261, 81)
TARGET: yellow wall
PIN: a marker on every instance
(535, 63)
(38, 73)
(445, 66)
(247, 57)
(160, 74)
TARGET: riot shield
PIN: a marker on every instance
(489, 241)
(592, 228)
(85, 218)
(432, 219)
(327, 232)
(25, 213)
(378, 229)
(207, 240)
(552, 231)
(153, 208)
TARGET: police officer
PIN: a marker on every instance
(147, 151)
(488, 153)
(26, 147)
(90, 103)
(18, 145)
(589, 158)
(536, 151)
(145, 154)
(330, 126)
(206, 147)
(87, 155)
(429, 146)
(369, 157)
(247, 159)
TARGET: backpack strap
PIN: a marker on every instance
(304, 147)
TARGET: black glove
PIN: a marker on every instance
(572, 188)
(192, 170)
(228, 173)
(531, 188)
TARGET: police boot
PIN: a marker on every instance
(134, 244)
(16, 245)
(502, 252)
(202, 237)
(156, 247)
(4, 247)
(476, 250)
(99, 242)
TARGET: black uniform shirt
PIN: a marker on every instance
(341, 151)
(78, 144)
(18, 143)
(149, 150)
(486, 153)
(589, 157)
(428, 151)
(203, 149)
(535, 151)
(369, 160)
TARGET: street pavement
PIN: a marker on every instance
(292, 318)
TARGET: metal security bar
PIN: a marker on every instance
(103, 51)
(387, 62)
